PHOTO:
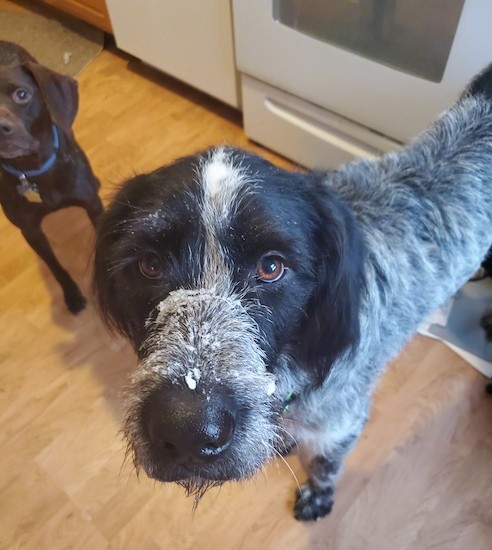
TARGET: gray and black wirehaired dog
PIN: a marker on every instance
(263, 304)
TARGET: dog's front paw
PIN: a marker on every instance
(313, 503)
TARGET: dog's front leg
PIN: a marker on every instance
(315, 498)
(39, 243)
(322, 453)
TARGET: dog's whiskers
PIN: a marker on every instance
(271, 447)
(297, 421)
(128, 459)
(292, 438)
(118, 265)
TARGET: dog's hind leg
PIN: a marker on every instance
(39, 243)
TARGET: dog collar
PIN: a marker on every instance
(47, 164)
(26, 188)
(288, 400)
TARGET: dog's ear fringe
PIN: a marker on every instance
(104, 301)
(332, 328)
(105, 306)
(102, 287)
(60, 94)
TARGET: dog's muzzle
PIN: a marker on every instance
(15, 140)
(200, 403)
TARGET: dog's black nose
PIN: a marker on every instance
(6, 126)
(188, 427)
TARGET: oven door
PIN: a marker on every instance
(389, 65)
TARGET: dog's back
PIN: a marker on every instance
(425, 211)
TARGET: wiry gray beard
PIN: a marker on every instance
(201, 340)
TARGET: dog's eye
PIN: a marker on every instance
(150, 266)
(21, 96)
(270, 268)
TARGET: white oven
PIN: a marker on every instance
(324, 81)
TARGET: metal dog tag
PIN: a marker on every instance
(28, 190)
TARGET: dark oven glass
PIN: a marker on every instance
(414, 36)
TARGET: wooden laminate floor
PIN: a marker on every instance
(420, 477)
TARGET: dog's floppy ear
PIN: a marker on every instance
(60, 94)
(332, 324)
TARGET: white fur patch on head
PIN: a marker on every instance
(218, 173)
(222, 180)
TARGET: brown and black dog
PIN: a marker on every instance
(42, 168)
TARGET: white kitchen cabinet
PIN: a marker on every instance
(188, 39)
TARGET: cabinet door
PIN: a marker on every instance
(92, 11)
(188, 39)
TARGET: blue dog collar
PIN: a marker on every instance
(23, 174)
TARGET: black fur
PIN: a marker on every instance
(150, 214)
(315, 309)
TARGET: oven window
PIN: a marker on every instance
(414, 36)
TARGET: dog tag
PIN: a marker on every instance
(28, 190)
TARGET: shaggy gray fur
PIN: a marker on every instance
(426, 215)
(212, 329)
